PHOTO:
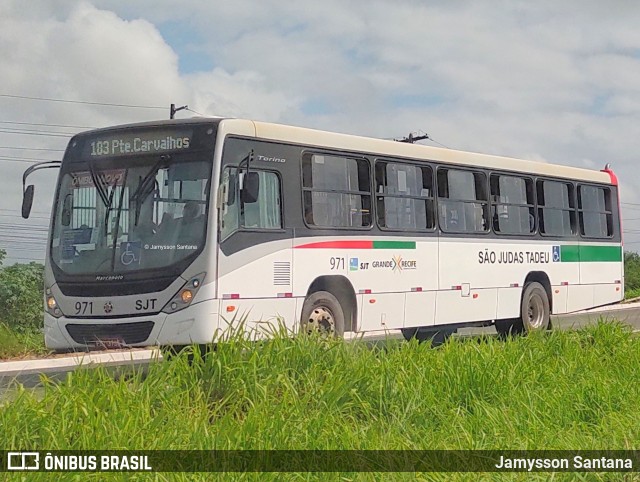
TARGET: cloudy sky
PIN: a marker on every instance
(545, 80)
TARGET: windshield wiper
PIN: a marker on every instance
(106, 198)
(110, 201)
(142, 191)
(118, 213)
(97, 182)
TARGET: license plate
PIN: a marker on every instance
(110, 342)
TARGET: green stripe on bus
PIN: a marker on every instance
(394, 245)
(569, 254)
(574, 254)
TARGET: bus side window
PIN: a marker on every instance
(336, 191)
(404, 196)
(463, 193)
(512, 204)
(556, 208)
(265, 212)
(595, 211)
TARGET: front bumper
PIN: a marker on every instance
(197, 323)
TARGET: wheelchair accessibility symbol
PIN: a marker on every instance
(130, 252)
(556, 254)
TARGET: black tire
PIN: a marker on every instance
(437, 337)
(510, 326)
(170, 352)
(535, 313)
(322, 313)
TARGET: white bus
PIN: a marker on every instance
(171, 232)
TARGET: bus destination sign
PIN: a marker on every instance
(148, 142)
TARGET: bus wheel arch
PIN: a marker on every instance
(536, 293)
(340, 287)
(542, 278)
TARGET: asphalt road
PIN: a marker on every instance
(28, 372)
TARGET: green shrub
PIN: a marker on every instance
(21, 287)
(631, 271)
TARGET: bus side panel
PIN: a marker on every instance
(508, 303)
(461, 276)
(386, 271)
(604, 276)
(382, 311)
(592, 272)
(259, 318)
(260, 271)
(420, 309)
(580, 297)
(559, 295)
(600, 268)
(452, 306)
(604, 294)
(564, 276)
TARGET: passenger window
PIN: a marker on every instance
(556, 208)
(404, 196)
(595, 213)
(512, 205)
(462, 201)
(336, 191)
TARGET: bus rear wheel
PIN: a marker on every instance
(437, 337)
(535, 313)
(323, 314)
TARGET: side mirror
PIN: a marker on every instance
(250, 187)
(27, 192)
(27, 201)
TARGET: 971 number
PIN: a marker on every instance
(84, 307)
(336, 263)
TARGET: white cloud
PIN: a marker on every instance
(241, 94)
(538, 80)
(87, 54)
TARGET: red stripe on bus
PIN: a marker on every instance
(612, 175)
(614, 181)
(339, 245)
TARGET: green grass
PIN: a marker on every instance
(631, 293)
(559, 390)
(30, 342)
(15, 344)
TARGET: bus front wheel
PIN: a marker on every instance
(535, 313)
(322, 313)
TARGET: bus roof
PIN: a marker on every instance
(390, 148)
(381, 147)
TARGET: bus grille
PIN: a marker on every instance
(108, 335)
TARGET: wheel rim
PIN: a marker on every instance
(321, 320)
(535, 312)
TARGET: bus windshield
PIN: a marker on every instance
(114, 217)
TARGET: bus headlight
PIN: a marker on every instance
(185, 296)
(52, 306)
